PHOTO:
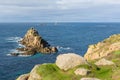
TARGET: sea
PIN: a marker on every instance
(67, 37)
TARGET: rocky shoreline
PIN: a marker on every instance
(101, 62)
(34, 43)
(104, 48)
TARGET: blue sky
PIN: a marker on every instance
(59, 10)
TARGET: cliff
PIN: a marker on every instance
(105, 48)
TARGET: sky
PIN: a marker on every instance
(59, 10)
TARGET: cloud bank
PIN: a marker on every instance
(59, 10)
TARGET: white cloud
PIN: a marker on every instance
(24, 7)
(61, 10)
(73, 4)
(42, 4)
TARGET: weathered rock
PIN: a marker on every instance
(23, 77)
(70, 60)
(21, 49)
(34, 75)
(34, 43)
(14, 54)
(104, 48)
(103, 62)
(89, 79)
(82, 71)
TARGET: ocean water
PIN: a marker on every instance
(67, 37)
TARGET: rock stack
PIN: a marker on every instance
(34, 43)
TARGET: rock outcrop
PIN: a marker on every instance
(89, 79)
(23, 77)
(82, 71)
(103, 62)
(104, 48)
(34, 75)
(70, 60)
(34, 43)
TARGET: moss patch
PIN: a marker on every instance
(52, 72)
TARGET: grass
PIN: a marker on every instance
(101, 72)
(105, 73)
(52, 72)
(116, 75)
(117, 52)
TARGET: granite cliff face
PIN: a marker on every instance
(104, 48)
(34, 43)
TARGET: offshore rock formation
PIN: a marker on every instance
(34, 43)
(104, 48)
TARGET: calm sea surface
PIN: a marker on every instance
(68, 37)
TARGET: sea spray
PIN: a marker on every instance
(60, 48)
(13, 39)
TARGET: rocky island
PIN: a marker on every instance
(34, 43)
(101, 62)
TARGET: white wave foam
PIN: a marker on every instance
(20, 55)
(13, 39)
(8, 54)
(63, 48)
(24, 55)
(15, 51)
(20, 45)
